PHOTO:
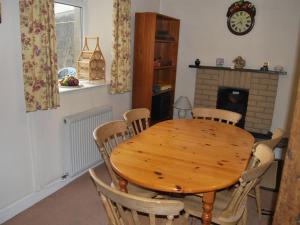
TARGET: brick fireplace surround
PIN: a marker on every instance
(262, 89)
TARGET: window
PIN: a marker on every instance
(68, 34)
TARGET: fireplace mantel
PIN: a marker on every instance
(239, 70)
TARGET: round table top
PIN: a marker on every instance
(184, 156)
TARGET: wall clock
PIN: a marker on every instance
(241, 17)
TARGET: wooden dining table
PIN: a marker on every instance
(185, 156)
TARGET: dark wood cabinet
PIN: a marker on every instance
(155, 62)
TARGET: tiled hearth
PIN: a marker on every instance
(262, 89)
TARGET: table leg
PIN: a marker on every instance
(123, 185)
(208, 203)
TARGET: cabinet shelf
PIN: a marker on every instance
(164, 67)
(161, 92)
(164, 41)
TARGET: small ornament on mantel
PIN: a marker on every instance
(279, 68)
(265, 67)
(220, 62)
(239, 62)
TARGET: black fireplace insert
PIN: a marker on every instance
(234, 99)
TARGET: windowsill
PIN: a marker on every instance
(83, 84)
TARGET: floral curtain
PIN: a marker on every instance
(120, 70)
(37, 21)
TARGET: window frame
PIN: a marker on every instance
(86, 84)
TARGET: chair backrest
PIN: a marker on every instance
(271, 143)
(107, 137)
(220, 115)
(137, 119)
(276, 138)
(123, 208)
(236, 207)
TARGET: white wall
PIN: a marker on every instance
(16, 178)
(31, 144)
(204, 34)
(145, 5)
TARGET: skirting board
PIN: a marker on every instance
(15, 208)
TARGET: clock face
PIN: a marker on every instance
(240, 22)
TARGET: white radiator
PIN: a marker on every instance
(81, 150)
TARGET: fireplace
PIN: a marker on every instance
(235, 100)
(261, 88)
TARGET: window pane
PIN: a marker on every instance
(68, 34)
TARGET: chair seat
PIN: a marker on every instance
(193, 204)
(139, 191)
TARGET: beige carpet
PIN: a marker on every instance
(78, 204)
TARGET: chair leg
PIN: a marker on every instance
(193, 221)
(258, 200)
(186, 219)
(243, 220)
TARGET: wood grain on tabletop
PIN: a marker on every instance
(184, 156)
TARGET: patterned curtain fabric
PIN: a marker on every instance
(37, 21)
(120, 71)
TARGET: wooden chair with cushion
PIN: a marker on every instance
(107, 137)
(138, 119)
(230, 207)
(127, 209)
(220, 115)
(271, 143)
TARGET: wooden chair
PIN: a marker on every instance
(230, 207)
(107, 137)
(138, 119)
(124, 209)
(217, 115)
(271, 143)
